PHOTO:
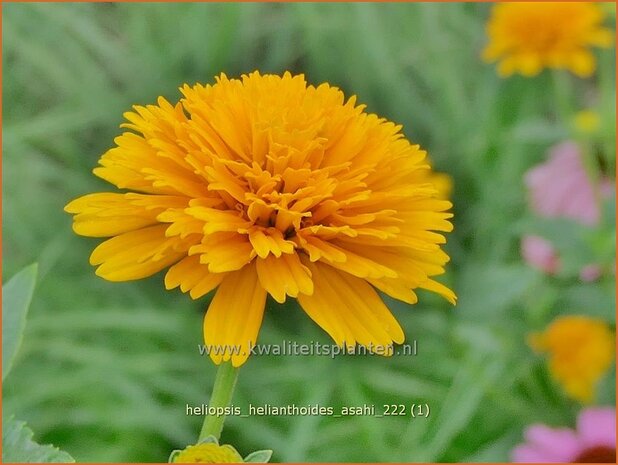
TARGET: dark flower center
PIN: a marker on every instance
(597, 454)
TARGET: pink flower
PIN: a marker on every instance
(539, 253)
(594, 440)
(560, 187)
(590, 273)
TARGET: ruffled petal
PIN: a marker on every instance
(137, 254)
(283, 276)
(192, 277)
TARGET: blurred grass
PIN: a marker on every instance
(106, 369)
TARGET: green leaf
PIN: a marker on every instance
(259, 456)
(18, 446)
(16, 297)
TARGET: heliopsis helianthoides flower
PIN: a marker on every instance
(265, 185)
(581, 350)
(208, 453)
(587, 122)
(526, 37)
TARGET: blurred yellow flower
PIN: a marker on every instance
(444, 185)
(526, 37)
(580, 349)
(265, 185)
(587, 121)
(209, 452)
(441, 181)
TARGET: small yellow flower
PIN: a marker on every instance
(527, 37)
(267, 185)
(587, 121)
(580, 349)
(209, 452)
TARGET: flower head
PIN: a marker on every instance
(594, 440)
(208, 452)
(587, 121)
(529, 36)
(581, 350)
(265, 185)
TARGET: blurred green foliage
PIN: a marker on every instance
(106, 369)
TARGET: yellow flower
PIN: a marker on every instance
(443, 184)
(581, 349)
(265, 185)
(587, 121)
(529, 36)
(209, 452)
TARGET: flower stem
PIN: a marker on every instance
(221, 396)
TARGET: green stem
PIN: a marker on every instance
(221, 396)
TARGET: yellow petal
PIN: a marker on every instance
(218, 220)
(136, 254)
(396, 289)
(601, 37)
(206, 284)
(284, 275)
(317, 249)
(269, 240)
(438, 288)
(582, 63)
(108, 214)
(135, 164)
(224, 252)
(192, 276)
(349, 309)
(234, 316)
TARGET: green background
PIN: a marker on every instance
(106, 369)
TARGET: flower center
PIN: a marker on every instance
(597, 454)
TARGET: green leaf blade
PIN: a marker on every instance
(16, 297)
